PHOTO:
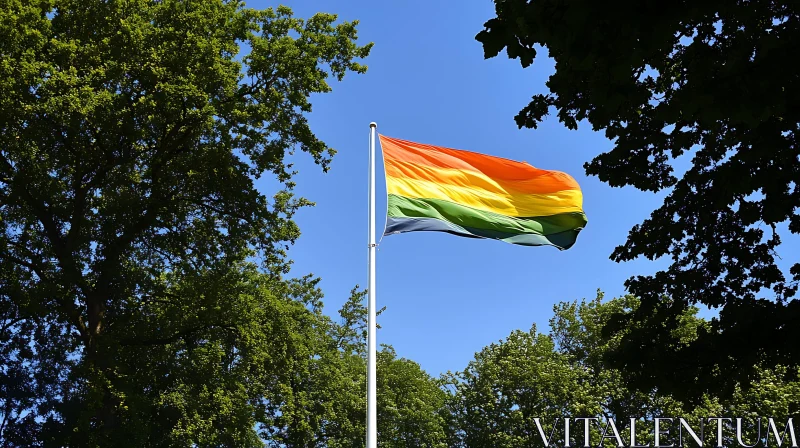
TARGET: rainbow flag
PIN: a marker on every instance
(432, 188)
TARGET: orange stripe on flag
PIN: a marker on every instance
(503, 171)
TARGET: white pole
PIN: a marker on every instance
(372, 411)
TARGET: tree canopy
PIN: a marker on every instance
(131, 133)
(707, 83)
(530, 375)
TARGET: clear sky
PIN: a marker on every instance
(446, 296)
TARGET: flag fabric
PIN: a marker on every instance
(432, 188)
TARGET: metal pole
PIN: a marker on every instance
(372, 411)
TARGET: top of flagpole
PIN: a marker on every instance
(373, 125)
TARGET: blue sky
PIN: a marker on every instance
(447, 297)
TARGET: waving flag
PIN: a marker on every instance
(474, 195)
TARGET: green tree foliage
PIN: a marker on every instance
(328, 406)
(707, 83)
(131, 133)
(411, 404)
(529, 375)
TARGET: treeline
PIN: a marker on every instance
(268, 367)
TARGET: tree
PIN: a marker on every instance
(325, 403)
(131, 133)
(411, 404)
(511, 382)
(564, 374)
(666, 82)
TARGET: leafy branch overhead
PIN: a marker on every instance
(703, 85)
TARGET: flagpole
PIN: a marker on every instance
(372, 411)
